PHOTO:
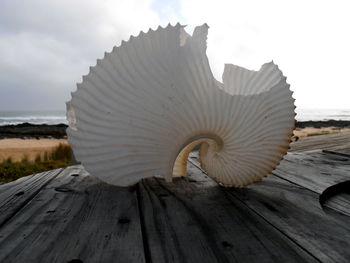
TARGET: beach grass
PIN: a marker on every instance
(59, 157)
(318, 133)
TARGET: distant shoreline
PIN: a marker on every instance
(33, 131)
(58, 131)
(323, 124)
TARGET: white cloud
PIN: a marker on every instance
(48, 45)
(309, 40)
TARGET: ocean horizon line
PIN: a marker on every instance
(49, 117)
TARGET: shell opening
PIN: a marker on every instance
(180, 163)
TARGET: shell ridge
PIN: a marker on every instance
(138, 106)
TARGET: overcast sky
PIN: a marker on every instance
(46, 46)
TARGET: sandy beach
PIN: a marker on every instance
(311, 131)
(17, 141)
(18, 148)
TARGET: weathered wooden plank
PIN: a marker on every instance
(319, 171)
(194, 220)
(339, 203)
(15, 195)
(296, 212)
(337, 197)
(338, 141)
(314, 171)
(344, 153)
(75, 216)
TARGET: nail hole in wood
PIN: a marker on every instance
(270, 207)
(123, 220)
(74, 174)
(226, 244)
(76, 260)
(63, 189)
(50, 211)
(19, 193)
(132, 188)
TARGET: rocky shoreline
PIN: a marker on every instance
(37, 131)
(58, 131)
(323, 124)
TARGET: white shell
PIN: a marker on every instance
(146, 104)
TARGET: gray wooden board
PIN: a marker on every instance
(14, 195)
(296, 212)
(194, 220)
(340, 198)
(75, 216)
(318, 172)
(338, 141)
(344, 153)
(315, 171)
(339, 203)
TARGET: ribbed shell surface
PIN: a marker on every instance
(145, 101)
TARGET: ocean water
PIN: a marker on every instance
(322, 114)
(34, 117)
(56, 117)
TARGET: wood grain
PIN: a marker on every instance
(75, 216)
(293, 215)
(338, 141)
(16, 194)
(194, 220)
(337, 197)
(344, 153)
(314, 171)
(297, 213)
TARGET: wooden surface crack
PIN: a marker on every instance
(25, 201)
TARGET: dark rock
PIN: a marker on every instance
(28, 130)
(322, 124)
